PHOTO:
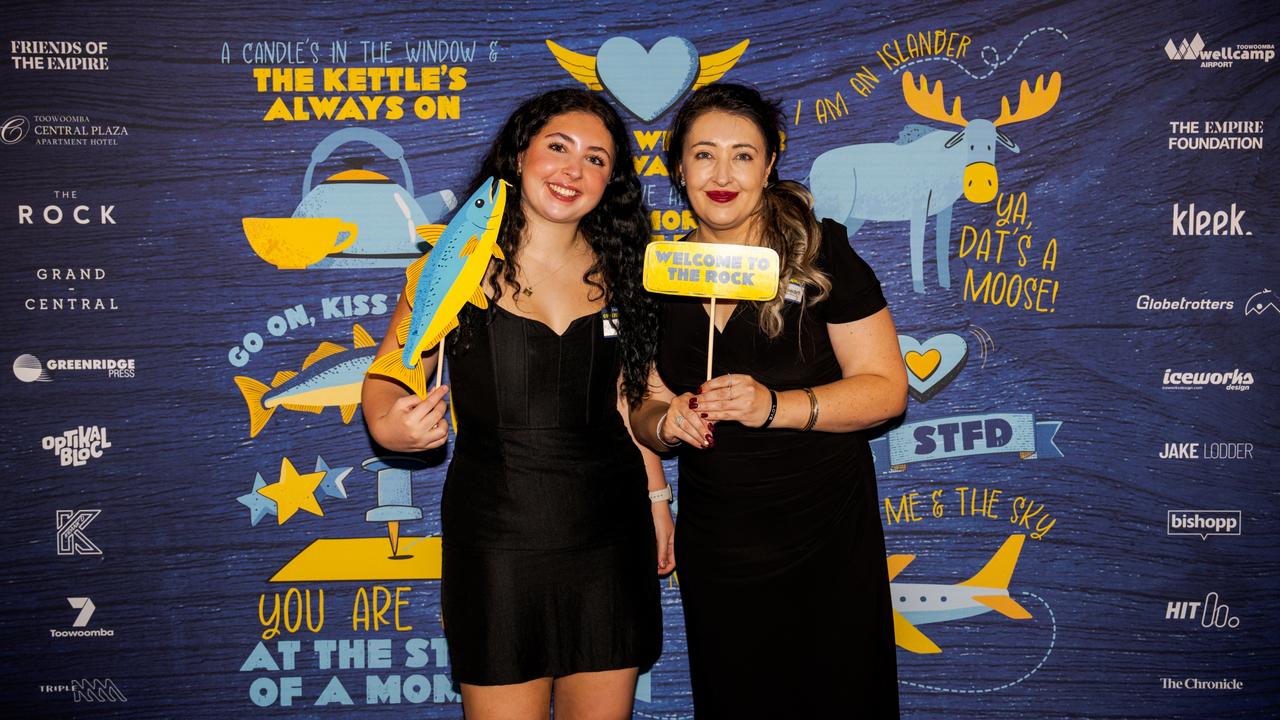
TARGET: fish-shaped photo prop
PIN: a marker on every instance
(439, 283)
(331, 376)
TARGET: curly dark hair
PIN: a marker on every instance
(617, 229)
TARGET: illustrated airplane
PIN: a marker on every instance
(920, 604)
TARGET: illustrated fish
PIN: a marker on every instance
(442, 281)
(331, 376)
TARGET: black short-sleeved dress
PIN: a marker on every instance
(549, 553)
(779, 545)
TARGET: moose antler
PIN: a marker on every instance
(1031, 103)
(930, 104)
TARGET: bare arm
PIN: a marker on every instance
(659, 413)
(873, 389)
(397, 419)
(663, 525)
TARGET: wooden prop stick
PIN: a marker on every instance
(440, 361)
(711, 337)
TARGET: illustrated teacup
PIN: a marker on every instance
(295, 243)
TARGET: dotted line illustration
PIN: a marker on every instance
(993, 64)
(1053, 639)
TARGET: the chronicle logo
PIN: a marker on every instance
(1167, 683)
(1203, 523)
(1233, 380)
(1264, 302)
(14, 129)
(1223, 57)
(1212, 613)
(86, 608)
(71, 537)
(28, 368)
(1199, 223)
(88, 690)
(1146, 302)
(77, 446)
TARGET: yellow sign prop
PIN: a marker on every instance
(711, 270)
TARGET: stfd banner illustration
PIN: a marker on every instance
(209, 212)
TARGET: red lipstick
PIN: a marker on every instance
(722, 196)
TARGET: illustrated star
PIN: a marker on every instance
(257, 504)
(332, 485)
(293, 492)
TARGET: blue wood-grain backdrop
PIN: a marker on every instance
(179, 569)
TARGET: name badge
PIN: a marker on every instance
(795, 292)
(609, 322)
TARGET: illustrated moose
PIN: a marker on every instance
(925, 171)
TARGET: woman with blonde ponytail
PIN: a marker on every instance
(778, 539)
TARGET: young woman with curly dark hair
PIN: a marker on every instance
(550, 543)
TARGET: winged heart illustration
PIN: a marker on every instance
(647, 82)
(933, 364)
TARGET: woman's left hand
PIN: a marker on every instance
(665, 530)
(734, 397)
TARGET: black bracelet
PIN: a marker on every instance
(773, 409)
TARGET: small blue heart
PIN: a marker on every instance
(953, 350)
(647, 82)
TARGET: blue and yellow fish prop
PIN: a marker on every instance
(331, 376)
(441, 282)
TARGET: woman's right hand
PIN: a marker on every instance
(413, 425)
(683, 422)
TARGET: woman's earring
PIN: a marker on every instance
(681, 181)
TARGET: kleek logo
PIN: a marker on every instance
(14, 129)
(77, 446)
(1233, 380)
(1204, 523)
(28, 368)
(1223, 57)
(1189, 221)
(1212, 613)
(88, 690)
(1154, 304)
(1216, 134)
(1262, 303)
(86, 608)
(1207, 451)
(1200, 684)
(71, 537)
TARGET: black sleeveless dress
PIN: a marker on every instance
(549, 557)
(779, 545)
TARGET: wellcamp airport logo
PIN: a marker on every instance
(1222, 57)
(1203, 523)
(80, 625)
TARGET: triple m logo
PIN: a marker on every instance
(1211, 613)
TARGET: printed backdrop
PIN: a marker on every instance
(1072, 208)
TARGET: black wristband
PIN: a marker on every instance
(773, 409)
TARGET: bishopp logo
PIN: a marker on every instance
(71, 537)
(86, 608)
(14, 129)
(647, 82)
(76, 447)
(1212, 613)
(1223, 57)
(1204, 523)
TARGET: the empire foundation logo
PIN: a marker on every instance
(1222, 57)
(77, 446)
(80, 626)
(1216, 134)
(1231, 380)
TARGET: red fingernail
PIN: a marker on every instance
(711, 442)
(703, 414)
(711, 424)
(693, 403)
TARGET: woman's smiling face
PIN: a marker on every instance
(725, 168)
(566, 167)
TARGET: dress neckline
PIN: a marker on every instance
(572, 323)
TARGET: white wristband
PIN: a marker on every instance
(664, 494)
(657, 432)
